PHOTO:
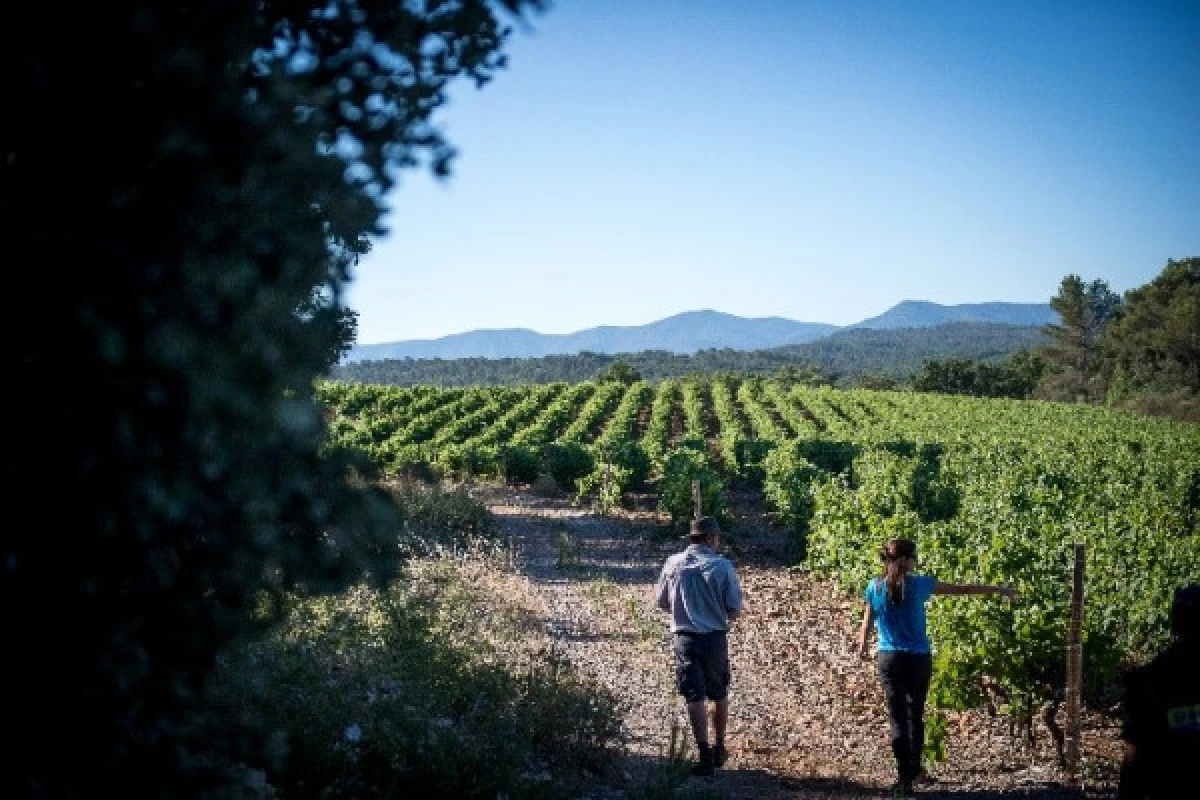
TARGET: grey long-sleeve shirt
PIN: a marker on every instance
(699, 588)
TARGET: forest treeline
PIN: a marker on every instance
(856, 357)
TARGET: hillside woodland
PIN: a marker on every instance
(853, 357)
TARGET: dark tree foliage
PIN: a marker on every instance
(1138, 351)
(1074, 352)
(1152, 352)
(183, 188)
(1015, 377)
(619, 371)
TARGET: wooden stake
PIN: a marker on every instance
(696, 499)
(1075, 668)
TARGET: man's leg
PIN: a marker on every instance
(720, 717)
(689, 672)
(698, 716)
(699, 720)
(717, 679)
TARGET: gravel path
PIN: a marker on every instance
(806, 715)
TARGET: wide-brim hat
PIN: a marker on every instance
(705, 526)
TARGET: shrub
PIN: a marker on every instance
(469, 460)
(629, 455)
(567, 462)
(433, 517)
(437, 687)
(521, 464)
(605, 485)
(681, 466)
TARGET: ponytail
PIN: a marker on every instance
(894, 569)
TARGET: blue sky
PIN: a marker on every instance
(819, 161)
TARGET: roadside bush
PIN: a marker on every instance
(437, 517)
(441, 686)
(196, 303)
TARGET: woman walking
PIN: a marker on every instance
(895, 603)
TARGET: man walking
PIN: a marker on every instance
(701, 591)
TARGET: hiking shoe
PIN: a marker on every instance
(704, 767)
(720, 755)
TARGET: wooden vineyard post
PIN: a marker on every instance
(695, 499)
(605, 488)
(1075, 668)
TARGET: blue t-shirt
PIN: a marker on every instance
(901, 626)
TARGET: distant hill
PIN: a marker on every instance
(846, 355)
(691, 332)
(682, 333)
(923, 314)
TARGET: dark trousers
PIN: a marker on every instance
(702, 666)
(905, 678)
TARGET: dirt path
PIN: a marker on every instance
(807, 717)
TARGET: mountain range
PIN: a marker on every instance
(693, 331)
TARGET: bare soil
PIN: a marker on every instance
(807, 717)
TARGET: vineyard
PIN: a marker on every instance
(993, 491)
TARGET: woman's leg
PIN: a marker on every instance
(892, 674)
(919, 673)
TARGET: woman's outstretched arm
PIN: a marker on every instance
(974, 588)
